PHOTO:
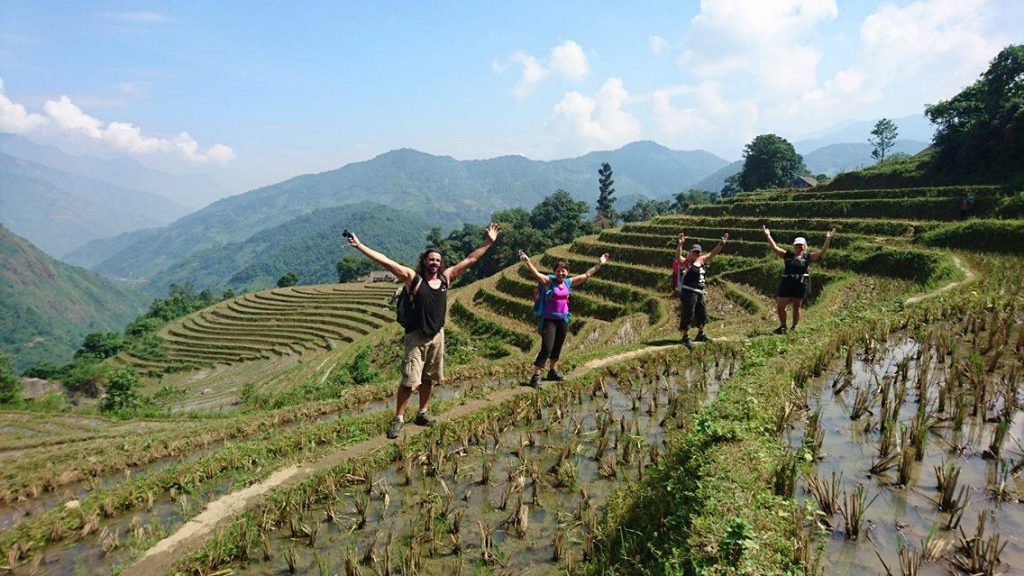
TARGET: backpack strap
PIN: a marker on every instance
(416, 281)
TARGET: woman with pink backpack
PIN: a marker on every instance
(688, 281)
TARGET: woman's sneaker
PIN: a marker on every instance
(687, 342)
(554, 376)
(702, 338)
(534, 381)
(780, 330)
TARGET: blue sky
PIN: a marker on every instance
(255, 92)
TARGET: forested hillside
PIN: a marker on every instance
(48, 306)
(439, 188)
(309, 246)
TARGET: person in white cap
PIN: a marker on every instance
(795, 275)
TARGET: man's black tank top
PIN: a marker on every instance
(430, 308)
(694, 276)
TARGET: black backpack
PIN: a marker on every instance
(404, 303)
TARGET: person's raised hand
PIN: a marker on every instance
(830, 233)
(492, 231)
(725, 238)
(353, 240)
(767, 232)
(682, 237)
(604, 258)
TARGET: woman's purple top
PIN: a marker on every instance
(557, 305)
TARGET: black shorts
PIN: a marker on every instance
(692, 310)
(792, 288)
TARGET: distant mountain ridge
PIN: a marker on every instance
(309, 246)
(443, 190)
(47, 307)
(59, 211)
(192, 191)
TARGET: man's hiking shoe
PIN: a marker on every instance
(423, 420)
(395, 428)
(687, 342)
(702, 337)
(554, 376)
(534, 381)
(780, 330)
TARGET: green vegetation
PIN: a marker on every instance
(287, 279)
(606, 214)
(308, 246)
(1006, 236)
(10, 384)
(883, 138)
(123, 395)
(981, 130)
(49, 307)
(769, 161)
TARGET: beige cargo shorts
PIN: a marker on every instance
(423, 359)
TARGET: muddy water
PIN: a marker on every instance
(86, 555)
(554, 462)
(903, 516)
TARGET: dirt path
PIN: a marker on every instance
(190, 537)
(968, 277)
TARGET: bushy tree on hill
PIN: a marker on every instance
(883, 138)
(981, 129)
(287, 279)
(123, 392)
(10, 384)
(769, 161)
(351, 267)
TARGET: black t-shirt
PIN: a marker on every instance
(430, 307)
(796, 266)
(694, 276)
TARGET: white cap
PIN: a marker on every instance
(800, 240)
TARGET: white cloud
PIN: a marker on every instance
(567, 61)
(14, 118)
(765, 41)
(600, 119)
(657, 44)
(68, 120)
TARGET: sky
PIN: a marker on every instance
(252, 93)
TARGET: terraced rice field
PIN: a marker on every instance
(93, 495)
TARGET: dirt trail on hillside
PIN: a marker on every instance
(968, 277)
(190, 537)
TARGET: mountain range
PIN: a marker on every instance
(59, 211)
(444, 191)
(48, 307)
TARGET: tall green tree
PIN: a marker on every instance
(10, 384)
(350, 267)
(606, 215)
(287, 279)
(980, 131)
(769, 161)
(883, 138)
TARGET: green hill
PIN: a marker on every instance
(47, 307)
(309, 246)
(59, 211)
(438, 188)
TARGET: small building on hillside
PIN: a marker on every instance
(378, 276)
(803, 182)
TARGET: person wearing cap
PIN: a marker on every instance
(689, 275)
(795, 275)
